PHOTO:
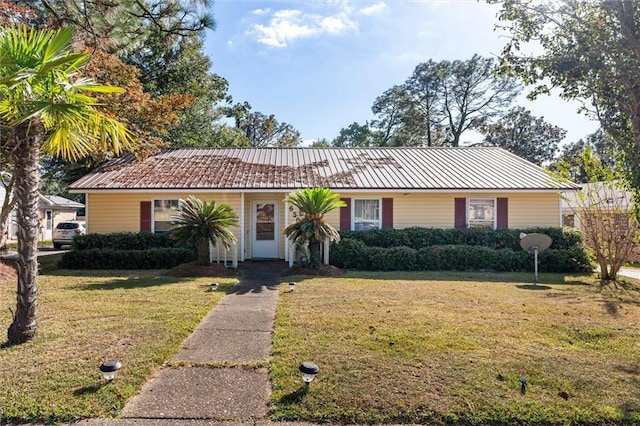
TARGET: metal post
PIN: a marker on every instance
(535, 257)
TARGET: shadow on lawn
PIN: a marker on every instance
(131, 282)
(295, 396)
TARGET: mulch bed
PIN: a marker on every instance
(8, 270)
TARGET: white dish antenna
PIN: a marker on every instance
(535, 243)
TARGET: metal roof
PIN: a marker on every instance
(57, 201)
(460, 168)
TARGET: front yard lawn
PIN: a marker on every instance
(452, 348)
(84, 318)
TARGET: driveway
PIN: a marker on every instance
(630, 272)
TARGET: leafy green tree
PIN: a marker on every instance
(572, 158)
(529, 137)
(263, 130)
(204, 222)
(357, 135)
(184, 69)
(590, 53)
(47, 109)
(313, 229)
(440, 101)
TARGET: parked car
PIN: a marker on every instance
(65, 231)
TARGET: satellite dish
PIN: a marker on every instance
(535, 243)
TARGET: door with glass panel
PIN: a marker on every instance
(264, 229)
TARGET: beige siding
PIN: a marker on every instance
(108, 213)
(436, 210)
(530, 210)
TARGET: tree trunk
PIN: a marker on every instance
(315, 253)
(203, 252)
(27, 177)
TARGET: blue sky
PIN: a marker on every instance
(319, 65)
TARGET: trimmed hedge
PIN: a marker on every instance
(122, 241)
(422, 249)
(418, 238)
(155, 258)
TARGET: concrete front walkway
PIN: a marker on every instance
(224, 377)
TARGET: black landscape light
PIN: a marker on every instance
(110, 369)
(214, 286)
(523, 385)
(309, 371)
(292, 286)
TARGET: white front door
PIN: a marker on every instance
(264, 229)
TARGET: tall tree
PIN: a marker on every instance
(124, 25)
(602, 148)
(263, 130)
(529, 137)
(473, 94)
(184, 69)
(47, 109)
(440, 101)
(590, 52)
(358, 135)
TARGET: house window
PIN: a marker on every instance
(163, 210)
(569, 220)
(366, 214)
(482, 213)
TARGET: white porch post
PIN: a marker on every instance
(242, 226)
(292, 252)
(235, 256)
(287, 252)
(325, 254)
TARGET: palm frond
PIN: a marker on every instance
(314, 203)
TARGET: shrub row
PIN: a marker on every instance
(155, 258)
(351, 253)
(122, 241)
(418, 238)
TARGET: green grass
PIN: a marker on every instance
(451, 348)
(84, 318)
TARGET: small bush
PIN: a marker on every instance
(157, 258)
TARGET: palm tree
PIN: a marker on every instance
(312, 228)
(204, 222)
(47, 109)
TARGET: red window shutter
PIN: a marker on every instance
(345, 215)
(387, 212)
(460, 214)
(502, 213)
(145, 216)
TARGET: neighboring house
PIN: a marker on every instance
(52, 210)
(606, 200)
(608, 197)
(382, 187)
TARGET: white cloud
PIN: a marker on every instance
(374, 8)
(260, 11)
(288, 25)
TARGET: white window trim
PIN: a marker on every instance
(353, 210)
(153, 210)
(495, 210)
